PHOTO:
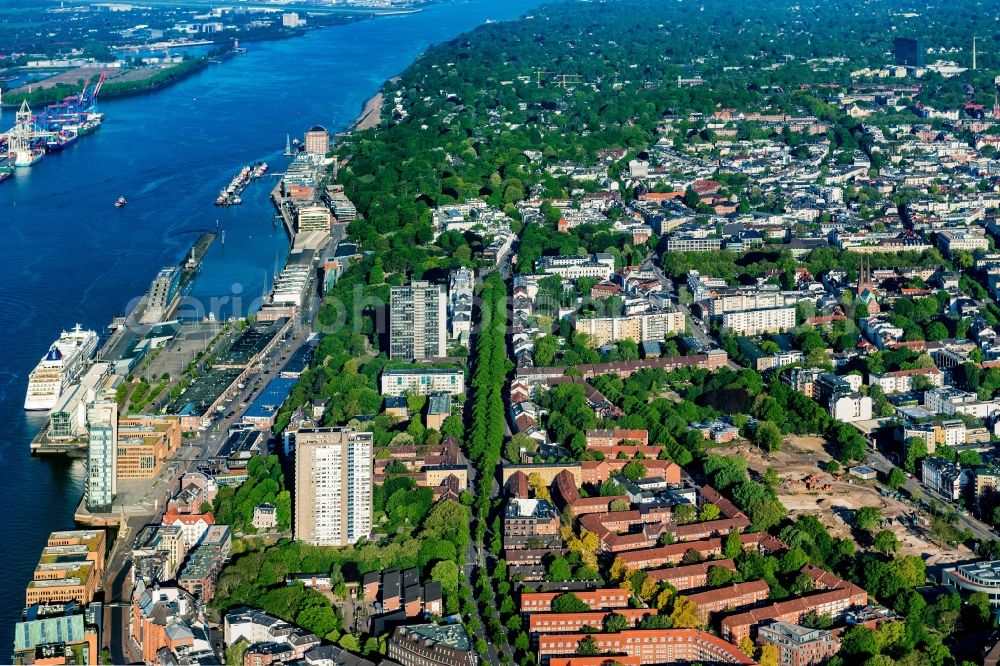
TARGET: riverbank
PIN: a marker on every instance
(120, 84)
(371, 114)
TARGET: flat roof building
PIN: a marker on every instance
(333, 486)
(102, 455)
(417, 321)
(977, 577)
(432, 645)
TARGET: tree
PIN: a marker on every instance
(767, 436)
(977, 610)
(350, 643)
(916, 449)
(732, 547)
(446, 573)
(771, 478)
(619, 504)
(587, 647)
(709, 512)
(685, 513)
(747, 646)
(896, 479)
(559, 570)
(634, 470)
(569, 603)
(685, 614)
(545, 350)
(970, 459)
(615, 622)
(717, 576)
(518, 443)
(867, 519)
(768, 655)
(860, 642)
(538, 486)
(234, 652)
(885, 542)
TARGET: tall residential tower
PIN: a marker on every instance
(102, 455)
(417, 319)
(333, 486)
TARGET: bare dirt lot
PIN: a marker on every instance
(833, 499)
(74, 76)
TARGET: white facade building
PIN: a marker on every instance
(432, 380)
(756, 322)
(333, 486)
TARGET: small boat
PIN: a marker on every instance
(120, 202)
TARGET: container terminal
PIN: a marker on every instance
(52, 129)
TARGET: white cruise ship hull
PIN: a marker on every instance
(59, 368)
(40, 404)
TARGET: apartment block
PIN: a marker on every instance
(740, 300)
(333, 486)
(832, 597)
(902, 381)
(600, 266)
(690, 576)
(731, 597)
(951, 432)
(646, 326)
(945, 478)
(530, 520)
(417, 321)
(949, 401)
(601, 599)
(423, 382)
(798, 645)
(569, 623)
(69, 569)
(757, 322)
(651, 646)
(102, 454)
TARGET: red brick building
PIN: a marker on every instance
(731, 597)
(571, 623)
(651, 558)
(833, 597)
(605, 599)
(651, 646)
(596, 471)
(691, 576)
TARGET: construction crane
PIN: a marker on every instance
(538, 76)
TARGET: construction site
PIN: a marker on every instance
(805, 487)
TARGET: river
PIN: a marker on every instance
(70, 256)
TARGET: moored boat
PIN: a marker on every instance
(61, 366)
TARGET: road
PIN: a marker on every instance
(979, 529)
(195, 451)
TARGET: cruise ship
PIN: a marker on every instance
(59, 368)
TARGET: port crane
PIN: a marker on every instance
(26, 141)
(22, 137)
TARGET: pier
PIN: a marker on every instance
(125, 332)
(285, 209)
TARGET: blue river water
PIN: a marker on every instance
(69, 256)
